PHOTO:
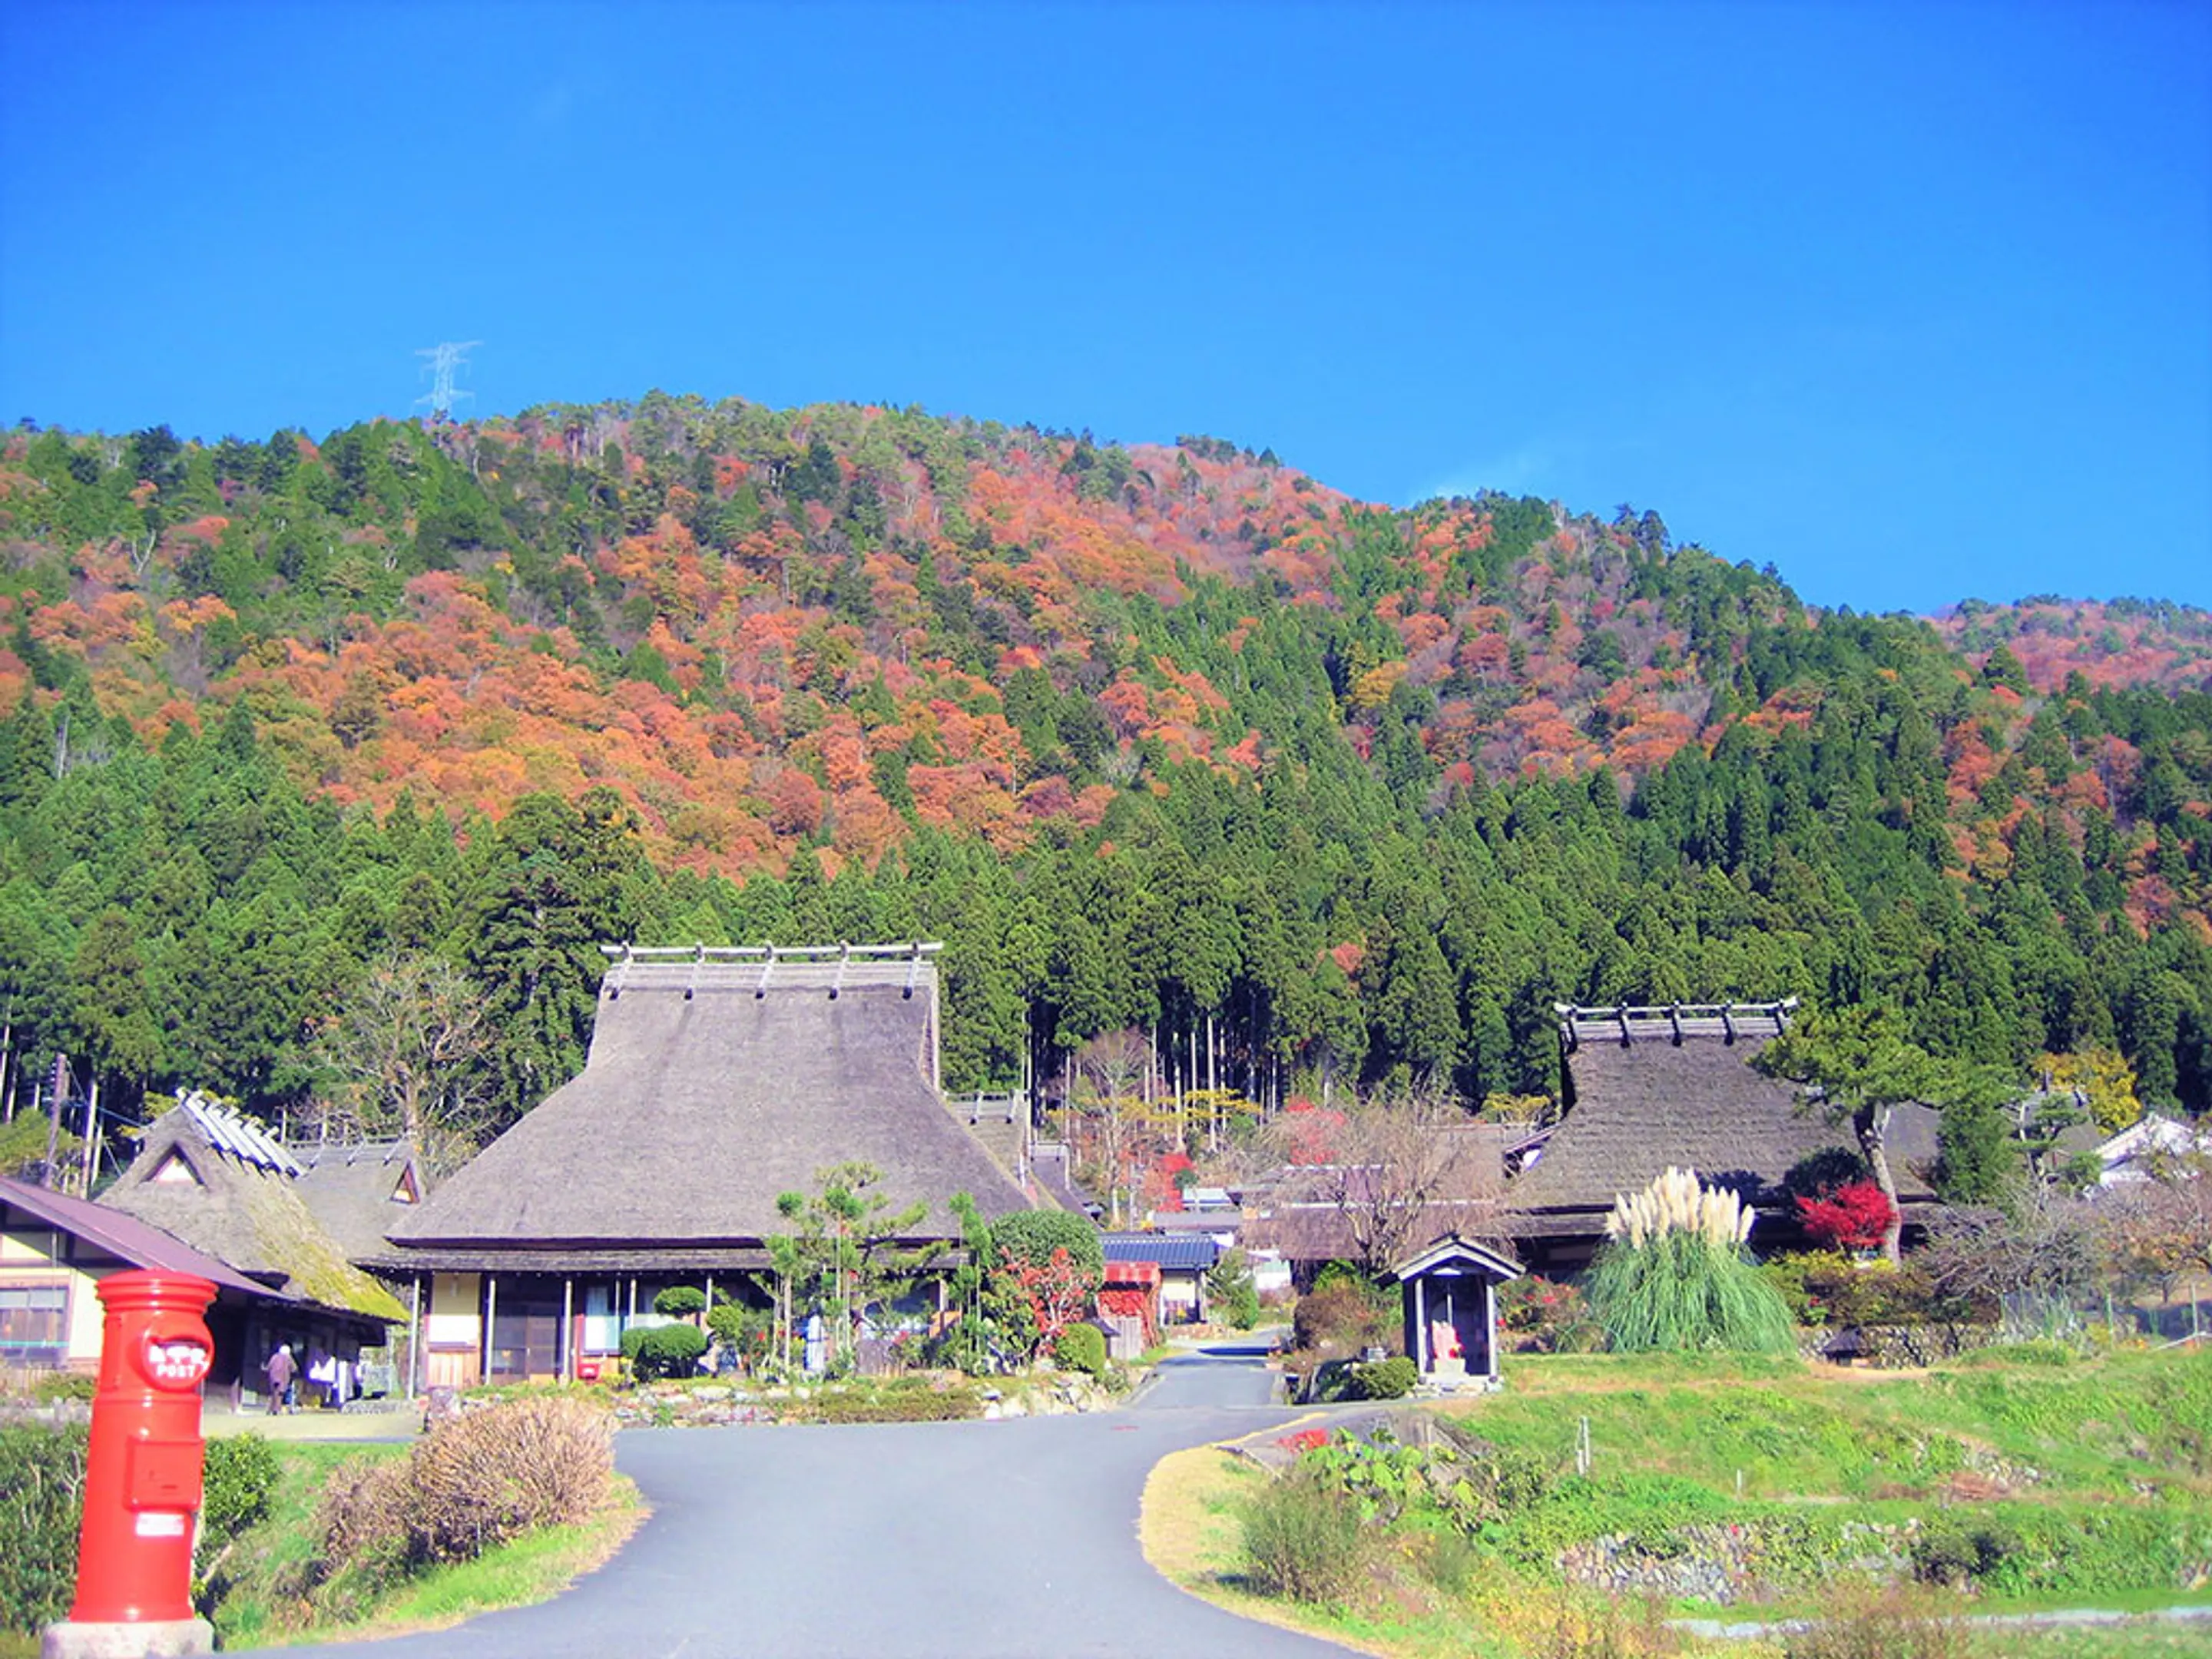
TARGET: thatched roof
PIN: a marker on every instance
(122, 1238)
(1636, 1106)
(357, 1189)
(216, 1182)
(706, 1095)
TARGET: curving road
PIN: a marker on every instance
(918, 1541)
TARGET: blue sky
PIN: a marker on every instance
(1914, 301)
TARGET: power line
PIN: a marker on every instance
(444, 358)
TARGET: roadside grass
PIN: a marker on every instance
(2102, 1426)
(2146, 1639)
(261, 1602)
(2082, 1448)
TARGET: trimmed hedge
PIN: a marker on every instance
(664, 1350)
(1081, 1348)
(1385, 1379)
(1034, 1235)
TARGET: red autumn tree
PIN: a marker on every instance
(1854, 1217)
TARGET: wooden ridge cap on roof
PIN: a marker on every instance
(1626, 1024)
(762, 969)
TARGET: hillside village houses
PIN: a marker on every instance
(719, 1079)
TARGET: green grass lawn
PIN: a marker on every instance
(2092, 1479)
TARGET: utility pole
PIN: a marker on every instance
(443, 359)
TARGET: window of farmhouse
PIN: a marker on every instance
(33, 1317)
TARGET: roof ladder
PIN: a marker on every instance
(913, 972)
(698, 961)
(838, 981)
(767, 966)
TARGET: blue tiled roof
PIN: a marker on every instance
(1182, 1251)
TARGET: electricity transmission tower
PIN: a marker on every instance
(444, 358)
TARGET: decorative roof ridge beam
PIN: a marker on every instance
(895, 952)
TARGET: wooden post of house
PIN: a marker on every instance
(491, 1317)
(1421, 1326)
(565, 1368)
(415, 1338)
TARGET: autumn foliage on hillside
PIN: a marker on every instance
(1337, 788)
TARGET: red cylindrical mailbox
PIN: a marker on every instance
(142, 1483)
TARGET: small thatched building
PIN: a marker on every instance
(1651, 1088)
(718, 1080)
(219, 1181)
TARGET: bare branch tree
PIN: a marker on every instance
(1381, 1179)
(405, 1046)
(1113, 1125)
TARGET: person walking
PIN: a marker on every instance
(283, 1372)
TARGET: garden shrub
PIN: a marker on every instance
(240, 1477)
(479, 1481)
(680, 1300)
(1828, 1287)
(1340, 1318)
(1231, 1290)
(41, 1507)
(364, 1521)
(913, 1400)
(1033, 1235)
(491, 1475)
(1956, 1551)
(1303, 1539)
(1385, 1379)
(51, 1387)
(1081, 1348)
(664, 1350)
(1551, 1316)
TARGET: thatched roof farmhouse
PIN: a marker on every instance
(1648, 1088)
(718, 1079)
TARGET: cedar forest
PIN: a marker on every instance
(1171, 737)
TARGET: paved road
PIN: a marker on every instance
(926, 1540)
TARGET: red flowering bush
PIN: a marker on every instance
(1547, 1314)
(1853, 1216)
(1058, 1290)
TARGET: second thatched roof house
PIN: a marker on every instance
(1651, 1087)
(222, 1183)
(718, 1079)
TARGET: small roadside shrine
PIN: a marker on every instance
(1450, 1291)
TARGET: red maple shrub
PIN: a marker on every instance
(1851, 1217)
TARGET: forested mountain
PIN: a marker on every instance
(1165, 737)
